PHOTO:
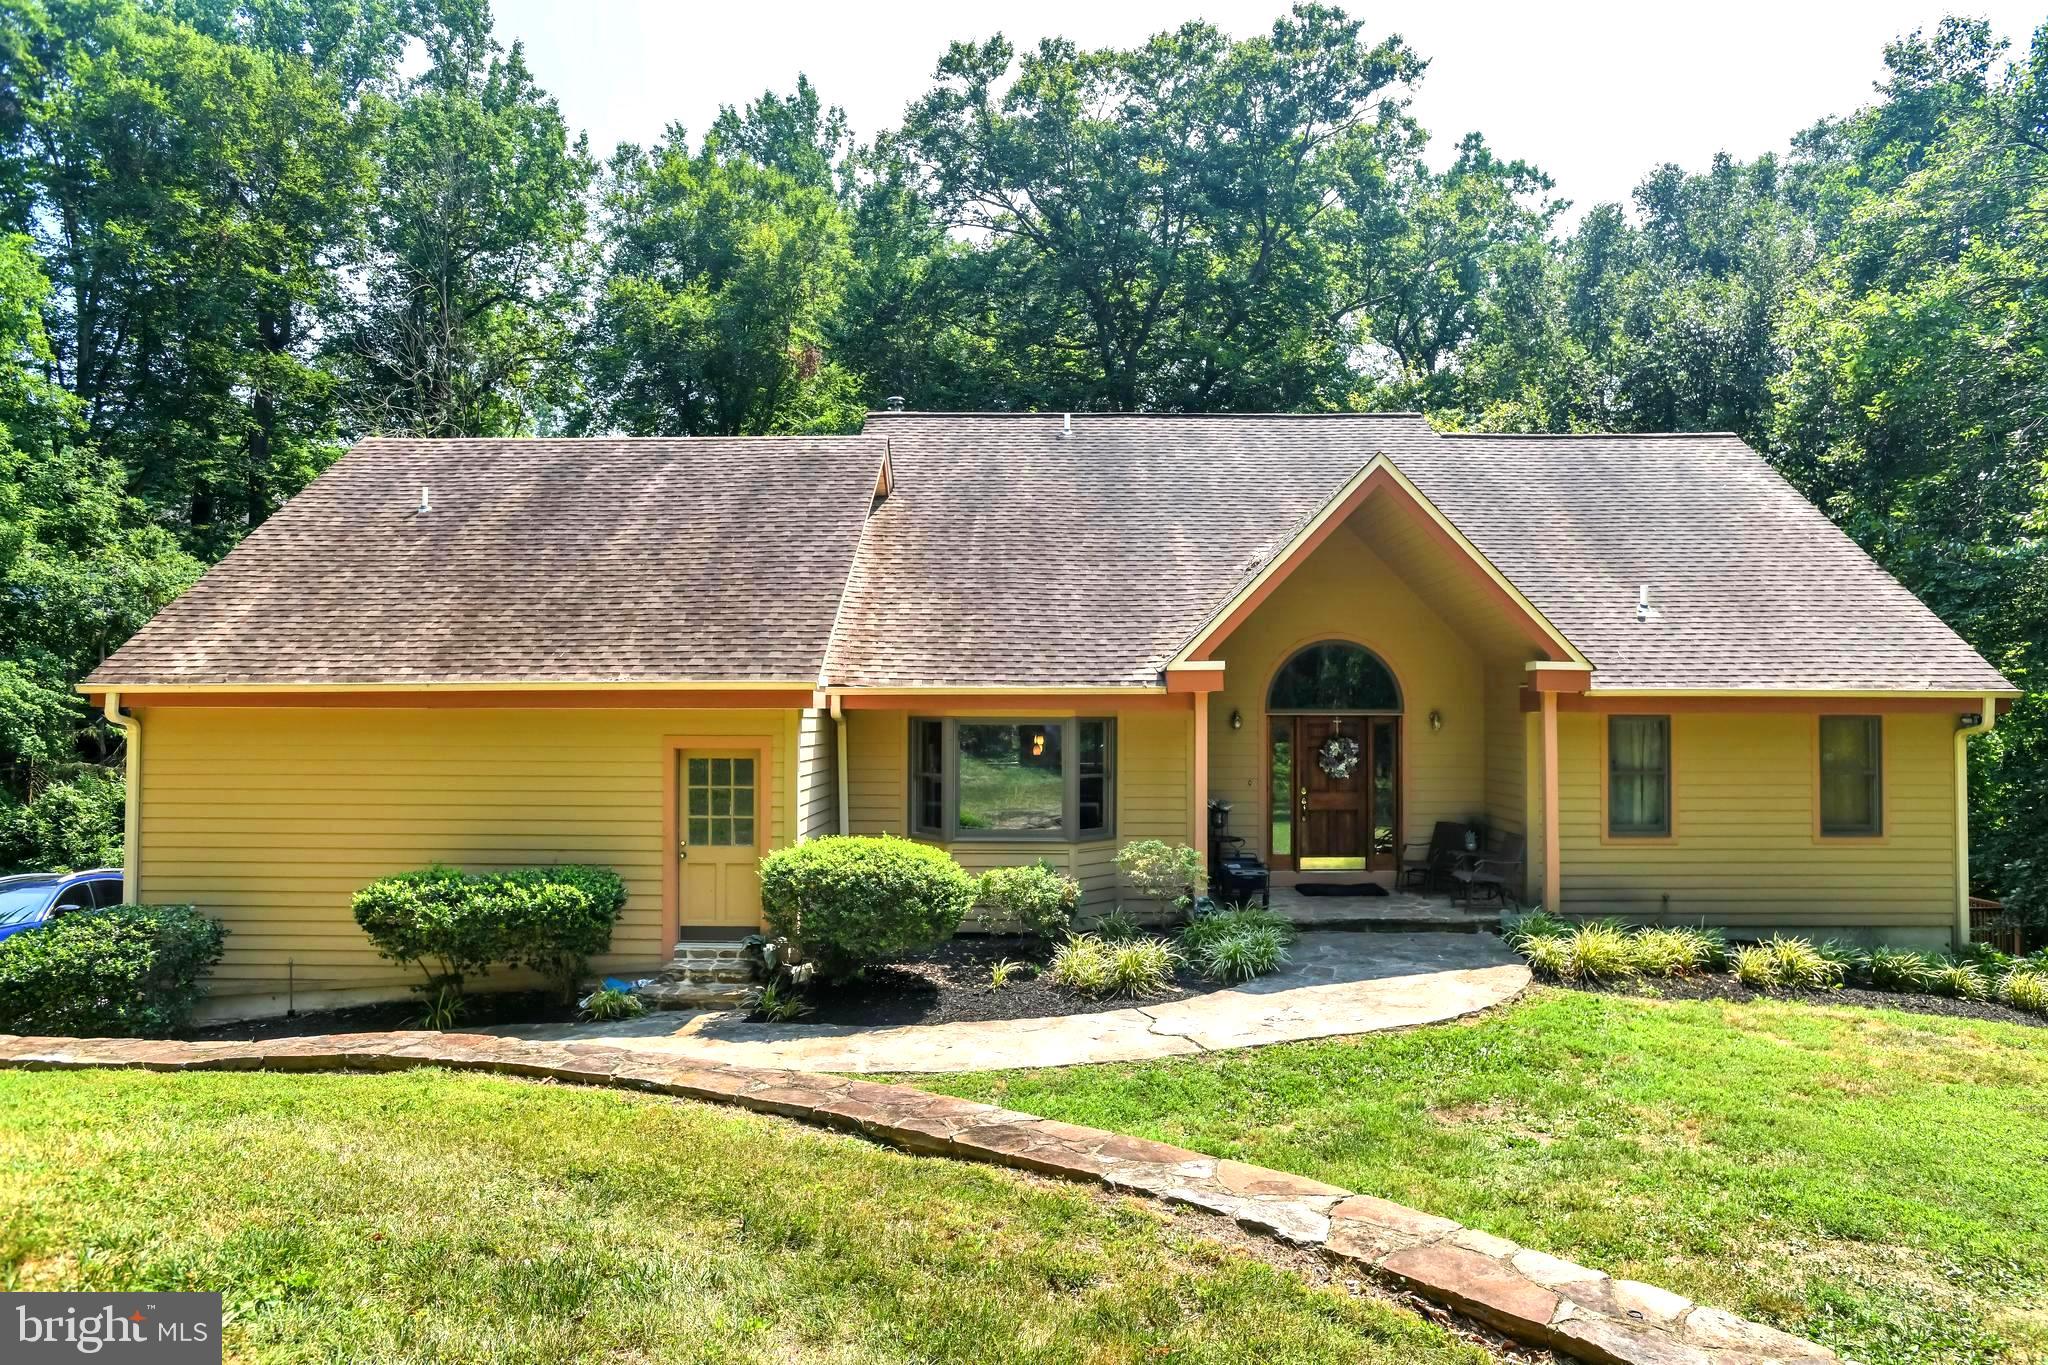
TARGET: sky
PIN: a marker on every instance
(1596, 94)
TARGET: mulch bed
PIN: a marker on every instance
(483, 1008)
(1722, 986)
(949, 985)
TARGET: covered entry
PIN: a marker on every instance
(1333, 717)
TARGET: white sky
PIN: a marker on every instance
(1594, 93)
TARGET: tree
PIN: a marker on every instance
(476, 259)
(722, 280)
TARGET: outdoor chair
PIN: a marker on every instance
(1427, 867)
(1495, 873)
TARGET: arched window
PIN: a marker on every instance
(1334, 675)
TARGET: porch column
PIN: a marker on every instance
(1201, 786)
(1553, 888)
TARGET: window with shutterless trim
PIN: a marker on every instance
(1013, 779)
(1638, 777)
(1852, 776)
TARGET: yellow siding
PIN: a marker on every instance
(1507, 769)
(1153, 790)
(1345, 591)
(271, 819)
(1745, 851)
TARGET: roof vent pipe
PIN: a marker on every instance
(1643, 612)
(894, 402)
(426, 502)
(1066, 425)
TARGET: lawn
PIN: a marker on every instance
(428, 1216)
(1876, 1180)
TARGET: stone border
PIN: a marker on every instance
(1526, 1295)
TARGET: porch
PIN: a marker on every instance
(1395, 911)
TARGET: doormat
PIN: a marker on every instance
(1341, 889)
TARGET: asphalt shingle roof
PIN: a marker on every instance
(1009, 554)
(542, 561)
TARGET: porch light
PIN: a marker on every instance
(1436, 720)
(1236, 719)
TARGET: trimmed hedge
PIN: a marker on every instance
(453, 925)
(846, 901)
(1037, 898)
(129, 971)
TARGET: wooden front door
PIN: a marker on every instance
(722, 825)
(1332, 823)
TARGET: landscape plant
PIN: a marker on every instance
(609, 1003)
(1237, 943)
(846, 902)
(1037, 898)
(125, 971)
(1163, 871)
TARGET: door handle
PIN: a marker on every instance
(683, 852)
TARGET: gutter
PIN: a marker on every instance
(131, 804)
(839, 786)
(1986, 718)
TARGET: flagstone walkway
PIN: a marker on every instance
(1337, 984)
(1527, 1295)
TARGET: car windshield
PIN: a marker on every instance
(22, 904)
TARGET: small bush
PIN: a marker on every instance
(1550, 956)
(1001, 974)
(1519, 929)
(433, 920)
(1891, 969)
(2025, 988)
(1755, 967)
(1157, 870)
(777, 1003)
(1243, 953)
(1081, 965)
(1600, 952)
(1959, 981)
(1676, 952)
(1221, 924)
(1796, 964)
(1141, 966)
(127, 971)
(608, 1003)
(1038, 899)
(558, 918)
(1118, 926)
(846, 901)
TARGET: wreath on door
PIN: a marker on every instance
(1337, 756)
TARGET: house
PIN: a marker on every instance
(1041, 636)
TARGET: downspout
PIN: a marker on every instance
(1986, 718)
(839, 743)
(131, 804)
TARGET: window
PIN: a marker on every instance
(77, 897)
(1852, 775)
(721, 802)
(106, 891)
(1638, 776)
(1013, 779)
(1334, 676)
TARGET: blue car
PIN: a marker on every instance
(33, 899)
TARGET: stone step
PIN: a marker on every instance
(694, 995)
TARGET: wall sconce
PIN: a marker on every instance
(1236, 719)
(1436, 720)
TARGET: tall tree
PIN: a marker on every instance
(463, 316)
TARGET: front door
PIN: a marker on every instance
(1339, 778)
(721, 825)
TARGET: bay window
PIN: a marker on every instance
(1003, 779)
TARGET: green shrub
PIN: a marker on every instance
(1037, 898)
(1960, 981)
(1797, 964)
(777, 1003)
(1676, 951)
(557, 918)
(1081, 965)
(1549, 955)
(433, 920)
(1158, 870)
(1518, 929)
(1141, 966)
(1600, 951)
(126, 971)
(607, 1003)
(2025, 988)
(1755, 967)
(1221, 924)
(1891, 969)
(1242, 954)
(846, 901)
(1118, 926)
(1001, 974)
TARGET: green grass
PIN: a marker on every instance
(1870, 1178)
(436, 1217)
